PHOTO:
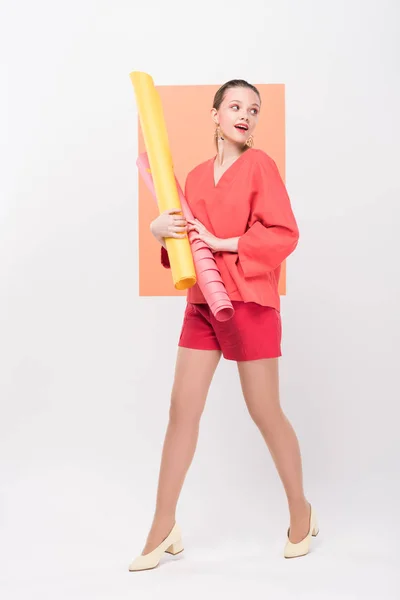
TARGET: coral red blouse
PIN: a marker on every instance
(250, 201)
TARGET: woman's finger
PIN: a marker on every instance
(195, 222)
(178, 224)
(199, 226)
(198, 237)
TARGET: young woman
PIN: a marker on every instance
(243, 213)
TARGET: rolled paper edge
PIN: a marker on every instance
(224, 313)
(221, 302)
(184, 283)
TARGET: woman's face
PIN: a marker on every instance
(238, 114)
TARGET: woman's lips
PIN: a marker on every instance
(242, 130)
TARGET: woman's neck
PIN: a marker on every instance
(228, 152)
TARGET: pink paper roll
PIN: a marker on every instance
(208, 275)
(207, 264)
(217, 286)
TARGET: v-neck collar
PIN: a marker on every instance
(229, 171)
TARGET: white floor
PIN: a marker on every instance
(346, 563)
(76, 502)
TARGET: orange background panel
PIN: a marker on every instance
(191, 138)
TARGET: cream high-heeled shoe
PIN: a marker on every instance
(301, 548)
(172, 544)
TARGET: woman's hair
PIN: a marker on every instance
(220, 94)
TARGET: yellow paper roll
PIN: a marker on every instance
(156, 141)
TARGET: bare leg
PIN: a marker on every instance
(260, 385)
(193, 375)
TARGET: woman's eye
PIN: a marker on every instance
(253, 109)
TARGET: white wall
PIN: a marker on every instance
(87, 365)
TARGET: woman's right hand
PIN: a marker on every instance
(170, 224)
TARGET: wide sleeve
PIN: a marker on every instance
(272, 232)
(165, 258)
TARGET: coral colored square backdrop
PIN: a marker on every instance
(190, 132)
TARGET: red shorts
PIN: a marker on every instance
(254, 331)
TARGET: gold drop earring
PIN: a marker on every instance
(249, 142)
(220, 143)
(218, 133)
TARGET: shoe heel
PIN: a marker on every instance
(315, 531)
(175, 548)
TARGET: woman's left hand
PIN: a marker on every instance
(203, 234)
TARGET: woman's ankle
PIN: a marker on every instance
(162, 519)
(298, 505)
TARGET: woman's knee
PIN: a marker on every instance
(185, 408)
(266, 416)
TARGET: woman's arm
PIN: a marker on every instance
(228, 244)
(161, 241)
(172, 224)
